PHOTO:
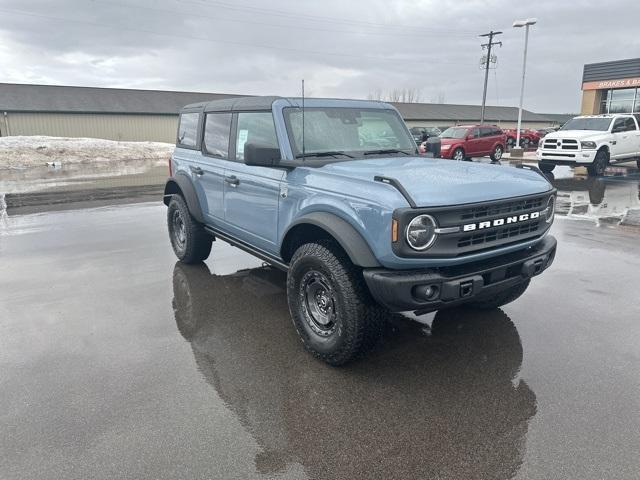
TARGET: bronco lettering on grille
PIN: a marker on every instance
(497, 222)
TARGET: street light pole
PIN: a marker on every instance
(517, 24)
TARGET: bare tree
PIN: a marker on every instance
(404, 95)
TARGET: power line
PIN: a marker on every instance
(313, 18)
(226, 42)
(488, 46)
(422, 33)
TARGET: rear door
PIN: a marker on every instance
(624, 131)
(252, 193)
(487, 134)
(211, 167)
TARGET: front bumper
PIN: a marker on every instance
(566, 157)
(399, 290)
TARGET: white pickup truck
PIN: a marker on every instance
(592, 141)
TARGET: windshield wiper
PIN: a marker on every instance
(325, 154)
(388, 150)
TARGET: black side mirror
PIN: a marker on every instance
(261, 155)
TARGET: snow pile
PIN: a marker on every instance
(21, 152)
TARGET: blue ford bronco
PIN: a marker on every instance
(334, 193)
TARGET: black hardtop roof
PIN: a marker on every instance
(230, 104)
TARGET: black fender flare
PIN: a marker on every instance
(181, 184)
(344, 233)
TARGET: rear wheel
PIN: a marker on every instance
(501, 298)
(330, 305)
(190, 242)
(546, 167)
(497, 153)
(524, 142)
(511, 141)
(458, 154)
(599, 165)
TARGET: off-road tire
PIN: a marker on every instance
(546, 167)
(599, 165)
(190, 242)
(358, 320)
(458, 152)
(501, 298)
(496, 156)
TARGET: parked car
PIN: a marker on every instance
(528, 137)
(466, 141)
(360, 229)
(593, 141)
(422, 134)
(545, 131)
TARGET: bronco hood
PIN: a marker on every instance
(436, 182)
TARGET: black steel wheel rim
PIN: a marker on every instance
(179, 229)
(318, 302)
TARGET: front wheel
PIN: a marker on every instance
(501, 298)
(546, 167)
(497, 153)
(599, 165)
(190, 242)
(330, 305)
(458, 154)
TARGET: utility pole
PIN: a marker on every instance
(488, 46)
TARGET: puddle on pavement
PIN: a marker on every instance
(610, 200)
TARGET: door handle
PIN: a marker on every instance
(232, 181)
(197, 170)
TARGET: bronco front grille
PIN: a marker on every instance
(502, 209)
(498, 234)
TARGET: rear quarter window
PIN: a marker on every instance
(188, 130)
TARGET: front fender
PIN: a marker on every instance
(345, 234)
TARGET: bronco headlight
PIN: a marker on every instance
(421, 232)
(551, 209)
(588, 145)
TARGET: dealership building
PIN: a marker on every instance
(611, 87)
(152, 115)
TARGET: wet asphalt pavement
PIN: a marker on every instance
(118, 362)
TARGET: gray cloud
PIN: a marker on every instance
(343, 49)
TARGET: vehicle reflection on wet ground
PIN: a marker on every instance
(450, 389)
(118, 362)
(610, 200)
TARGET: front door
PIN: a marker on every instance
(252, 193)
(473, 145)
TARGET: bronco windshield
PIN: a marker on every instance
(599, 124)
(454, 133)
(348, 132)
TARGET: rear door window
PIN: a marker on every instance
(486, 131)
(217, 128)
(188, 130)
(630, 124)
(256, 128)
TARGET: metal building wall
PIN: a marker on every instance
(123, 127)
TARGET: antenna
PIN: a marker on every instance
(303, 149)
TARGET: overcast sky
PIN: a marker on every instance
(342, 48)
